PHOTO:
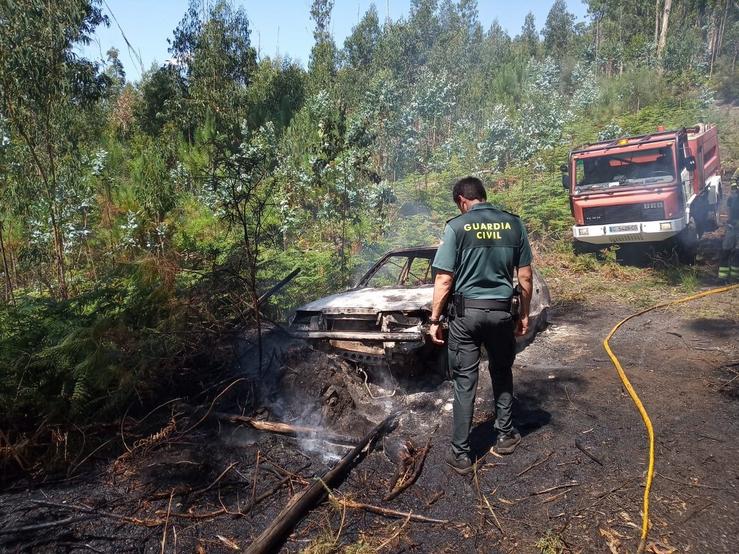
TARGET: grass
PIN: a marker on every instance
(594, 280)
(550, 543)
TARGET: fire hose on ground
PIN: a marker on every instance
(638, 403)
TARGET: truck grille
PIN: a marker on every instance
(649, 211)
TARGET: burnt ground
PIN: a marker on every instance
(547, 497)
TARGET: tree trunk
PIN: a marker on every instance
(6, 270)
(621, 41)
(61, 271)
(656, 22)
(663, 32)
(14, 267)
(722, 30)
(597, 43)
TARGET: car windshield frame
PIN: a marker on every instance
(404, 262)
(624, 170)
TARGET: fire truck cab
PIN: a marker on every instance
(645, 189)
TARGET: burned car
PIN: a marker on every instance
(384, 318)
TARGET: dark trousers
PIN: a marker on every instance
(495, 330)
(728, 265)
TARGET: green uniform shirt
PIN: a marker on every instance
(481, 248)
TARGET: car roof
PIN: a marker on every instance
(414, 250)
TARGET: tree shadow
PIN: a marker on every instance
(716, 327)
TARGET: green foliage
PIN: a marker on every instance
(163, 93)
(221, 173)
(86, 357)
(558, 29)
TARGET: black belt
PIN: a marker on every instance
(488, 304)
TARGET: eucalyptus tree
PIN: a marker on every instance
(212, 48)
(323, 55)
(45, 89)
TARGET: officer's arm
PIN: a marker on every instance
(442, 288)
(525, 280)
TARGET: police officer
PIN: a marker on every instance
(475, 265)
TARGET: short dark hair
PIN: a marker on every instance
(469, 187)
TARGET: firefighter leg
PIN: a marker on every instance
(735, 262)
(728, 249)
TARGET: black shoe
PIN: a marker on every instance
(461, 464)
(506, 443)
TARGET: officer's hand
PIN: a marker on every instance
(523, 326)
(437, 336)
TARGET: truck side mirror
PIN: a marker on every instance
(690, 163)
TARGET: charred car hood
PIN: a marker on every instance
(374, 300)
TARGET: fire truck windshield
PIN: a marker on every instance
(654, 166)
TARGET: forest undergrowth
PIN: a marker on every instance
(141, 221)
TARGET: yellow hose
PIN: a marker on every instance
(640, 406)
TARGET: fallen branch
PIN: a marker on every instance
(282, 472)
(554, 497)
(581, 448)
(99, 513)
(550, 489)
(291, 430)
(386, 511)
(300, 504)
(43, 526)
(691, 514)
(537, 463)
(689, 484)
(257, 500)
(166, 521)
(434, 498)
(256, 475)
(210, 408)
(188, 490)
(206, 515)
(575, 406)
(487, 503)
(395, 535)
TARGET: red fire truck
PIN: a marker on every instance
(664, 186)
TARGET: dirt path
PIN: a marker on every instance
(549, 494)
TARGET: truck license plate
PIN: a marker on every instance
(623, 228)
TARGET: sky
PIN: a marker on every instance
(277, 26)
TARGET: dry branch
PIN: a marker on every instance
(550, 489)
(581, 448)
(536, 463)
(300, 504)
(43, 526)
(386, 511)
(100, 513)
(487, 503)
(291, 430)
(188, 490)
